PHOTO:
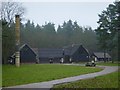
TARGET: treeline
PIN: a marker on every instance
(46, 36)
(104, 38)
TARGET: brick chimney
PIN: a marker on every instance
(17, 38)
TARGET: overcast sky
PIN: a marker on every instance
(85, 13)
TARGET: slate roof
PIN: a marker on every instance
(24, 45)
(70, 50)
(50, 53)
(35, 50)
(101, 55)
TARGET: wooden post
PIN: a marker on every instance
(17, 37)
(104, 55)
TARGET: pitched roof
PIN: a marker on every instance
(50, 53)
(35, 50)
(24, 45)
(101, 55)
(70, 50)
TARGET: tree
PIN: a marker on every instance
(9, 9)
(49, 34)
(68, 31)
(38, 27)
(77, 36)
(8, 12)
(69, 28)
(8, 41)
(45, 36)
(59, 29)
(89, 38)
(107, 30)
(30, 26)
(77, 27)
(49, 28)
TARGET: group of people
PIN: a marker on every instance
(61, 60)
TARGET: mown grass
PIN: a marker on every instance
(108, 63)
(31, 73)
(0, 76)
(106, 81)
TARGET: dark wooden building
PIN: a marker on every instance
(47, 54)
(99, 56)
(72, 53)
(27, 55)
(76, 53)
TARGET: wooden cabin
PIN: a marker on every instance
(47, 54)
(76, 53)
(99, 56)
(27, 55)
(72, 53)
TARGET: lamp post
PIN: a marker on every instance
(17, 37)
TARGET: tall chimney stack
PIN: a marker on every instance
(17, 37)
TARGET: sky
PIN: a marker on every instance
(85, 13)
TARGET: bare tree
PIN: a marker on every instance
(9, 9)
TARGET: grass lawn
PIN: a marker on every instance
(31, 73)
(106, 81)
(0, 75)
(108, 63)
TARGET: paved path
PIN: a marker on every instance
(49, 84)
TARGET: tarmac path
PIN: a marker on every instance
(49, 84)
